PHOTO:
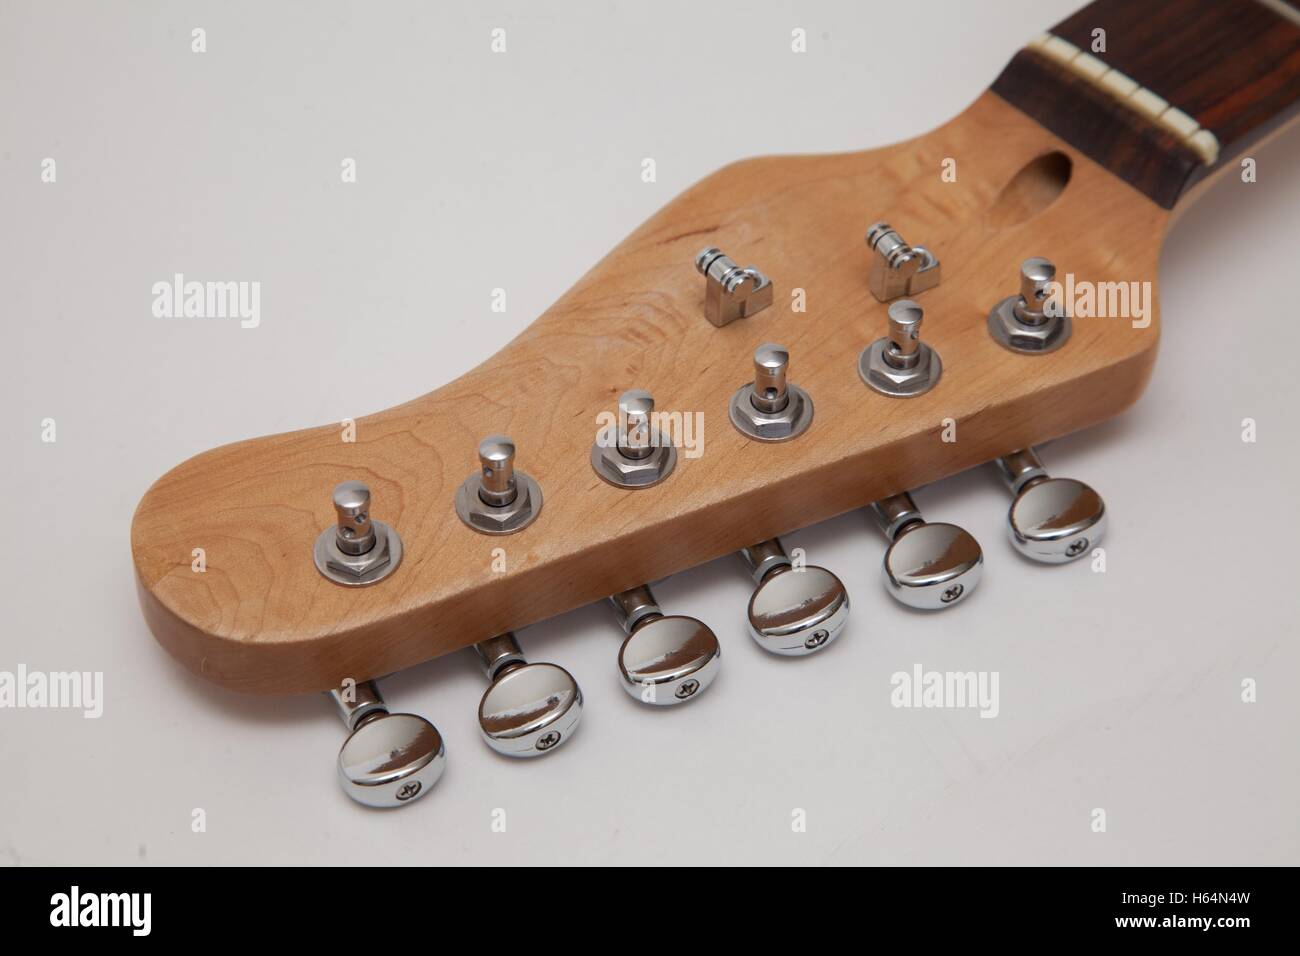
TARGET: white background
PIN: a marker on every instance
(1118, 690)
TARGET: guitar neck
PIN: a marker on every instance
(1162, 94)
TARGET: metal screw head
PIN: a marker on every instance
(391, 759)
(817, 639)
(668, 660)
(529, 710)
(932, 565)
(798, 612)
(1055, 520)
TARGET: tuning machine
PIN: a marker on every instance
(1053, 520)
(793, 611)
(666, 659)
(900, 365)
(1031, 322)
(632, 455)
(358, 550)
(529, 709)
(770, 408)
(497, 499)
(928, 565)
(388, 760)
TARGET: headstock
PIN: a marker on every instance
(995, 186)
(264, 619)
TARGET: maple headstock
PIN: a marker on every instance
(263, 619)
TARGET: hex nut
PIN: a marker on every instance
(613, 466)
(356, 570)
(790, 422)
(1009, 332)
(878, 374)
(499, 519)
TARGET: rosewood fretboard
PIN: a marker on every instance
(1182, 86)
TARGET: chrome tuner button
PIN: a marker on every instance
(897, 268)
(629, 455)
(529, 709)
(666, 659)
(496, 499)
(358, 550)
(930, 566)
(731, 292)
(388, 760)
(1031, 322)
(1052, 520)
(770, 408)
(793, 611)
(901, 365)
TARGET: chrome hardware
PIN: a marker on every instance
(770, 408)
(731, 292)
(1053, 520)
(496, 499)
(529, 709)
(901, 365)
(666, 659)
(1031, 322)
(632, 458)
(897, 268)
(793, 611)
(928, 565)
(358, 550)
(388, 760)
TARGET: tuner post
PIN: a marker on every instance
(1031, 322)
(496, 456)
(354, 533)
(771, 408)
(497, 499)
(901, 365)
(358, 550)
(630, 454)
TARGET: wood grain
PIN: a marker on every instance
(261, 619)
